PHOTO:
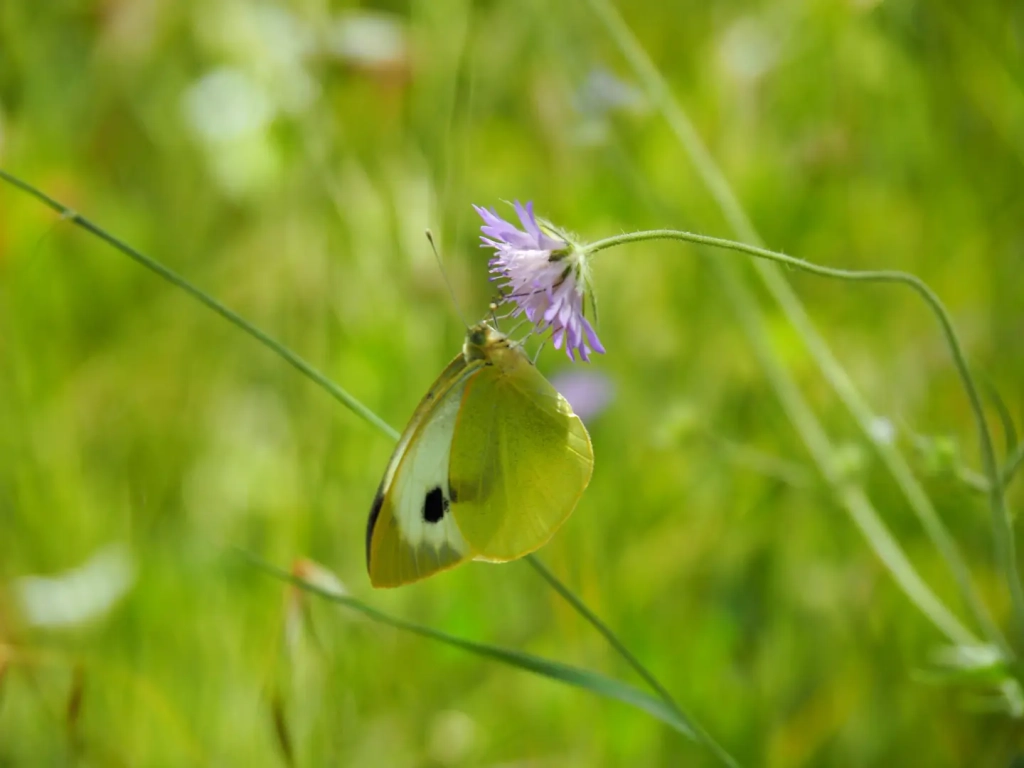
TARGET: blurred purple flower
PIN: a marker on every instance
(545, 277)
(588, 392)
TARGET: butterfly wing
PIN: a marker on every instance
(520, 459)
(411, 532)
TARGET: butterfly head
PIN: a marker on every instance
(482, 342)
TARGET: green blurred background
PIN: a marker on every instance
(287, 157)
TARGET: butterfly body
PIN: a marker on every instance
(492, 462)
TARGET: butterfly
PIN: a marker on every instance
(492, 462)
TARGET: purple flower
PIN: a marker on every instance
(546, 277)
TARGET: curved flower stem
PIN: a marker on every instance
(1002, 529)
(672, 111)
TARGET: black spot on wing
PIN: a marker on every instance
(434, 505)
(378, 502)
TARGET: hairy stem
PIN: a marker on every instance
(718, 186)
(1006, 550)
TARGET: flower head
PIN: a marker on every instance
(544, 276)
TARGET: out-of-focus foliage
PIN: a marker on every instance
(287, 156)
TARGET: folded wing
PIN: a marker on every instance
(520, 460)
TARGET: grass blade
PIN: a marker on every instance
(593, 682)
(581, 608)
(228, 314)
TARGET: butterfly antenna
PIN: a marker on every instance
(444, 274)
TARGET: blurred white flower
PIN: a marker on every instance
(229, 112)
(265, 49)
(227, 104)
(284, 43)
(368, 38)
(748, 49)
(80, 594)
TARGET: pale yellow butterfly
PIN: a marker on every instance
(492, 462)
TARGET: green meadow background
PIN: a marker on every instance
(286, 157)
